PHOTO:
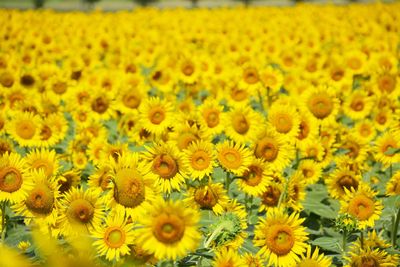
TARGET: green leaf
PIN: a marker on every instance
(328, 243)
(320, 209)
(391, 151)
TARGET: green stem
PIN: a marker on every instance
(228, 182)
(3, 221)
(390, 171)
(362, 239)
(344, 241)
(395, 229)
(213, 235)
(261, 101)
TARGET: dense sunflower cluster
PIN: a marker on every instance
(226, 137)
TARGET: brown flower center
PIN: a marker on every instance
(25, 129)
(387, 83)
(280, 239)
(230, 158)
(129, 189)
(357, 104)
(131, 100)
(156, 115)
(211, 117)
(40, 199)
(168, 228)
(165, 166)
(10, 179)
(205, 197)
(100, 104)
(200, 160)
(304, 130)
(267, 148)
(6, 79)
(361, 207)
(283, 123)
(250, 75)
(80, 211)
(114, 237)
(348, 182)
(253, 176)
(187, 68)
(240, 124)
(271, 196)
(320, 105)
(59, 88)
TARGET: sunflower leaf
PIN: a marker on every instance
(328, 243)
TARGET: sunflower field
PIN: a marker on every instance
(260, 136)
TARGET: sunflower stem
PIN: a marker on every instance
(3, 221)
(261, 101)
(344, 241)
(228, 182)
(362, 239)
(390, 171)
(395, 228)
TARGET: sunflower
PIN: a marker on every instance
(322, 104)
(295, 192)
(272, 79)
(357, 105)
(114, 237)
(270, 197)
(80, 211)
(24, 128)
(285, 120)
(210, 197)
(281, 238)
(228, 257)
(255, 180)
(6, 146)
(234, 158)
(361, 204)
(200, 159)
(101, 177)
(130, 97)
(43, 159)
(393, 185)
(382, 149)
(40, 204)
(314, 259)
(242, 124)
(274, 149)
(372, 240)
(365, 130)
(15, 180)
(165, 163)
(310, 171)
(371, 257)
(69, 179)
(308, 129)
(131, 187)
(186, 132)
(211, 116)
(169, 230)
(102, 104)
(356, 61)
(53, 129)
(342, 179)
(357, 148)
(253, 260)
(156, 115)
(383, 118)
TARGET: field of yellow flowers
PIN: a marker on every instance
(225, 137)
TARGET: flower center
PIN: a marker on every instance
(240, 124)
(283, 123)
(26, 129)
(387, 83)
(280, 239)
(205, 197)
(100, 104)
(185, 139)
(337, 74)
(187, 68)
(44, 165)
(200, 160)
(368, 261)
(80, 211)
(156, 115)
(131, 100)
(27, 80)
(40, 199)
(253, 175)
(6, 79)
(45, 133)
(304, 130)
(250, 75)
(165, 166)
(354, 63)
(271, 196)
(114, 237)
(238, 94)
(357, 104)
(168, 228)
(361, 207)
(267, 148)
(211, 117)
(59, 88)
(10, 179)
(320, 105)
(129, 189)
(348, 182)
(230, 158)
